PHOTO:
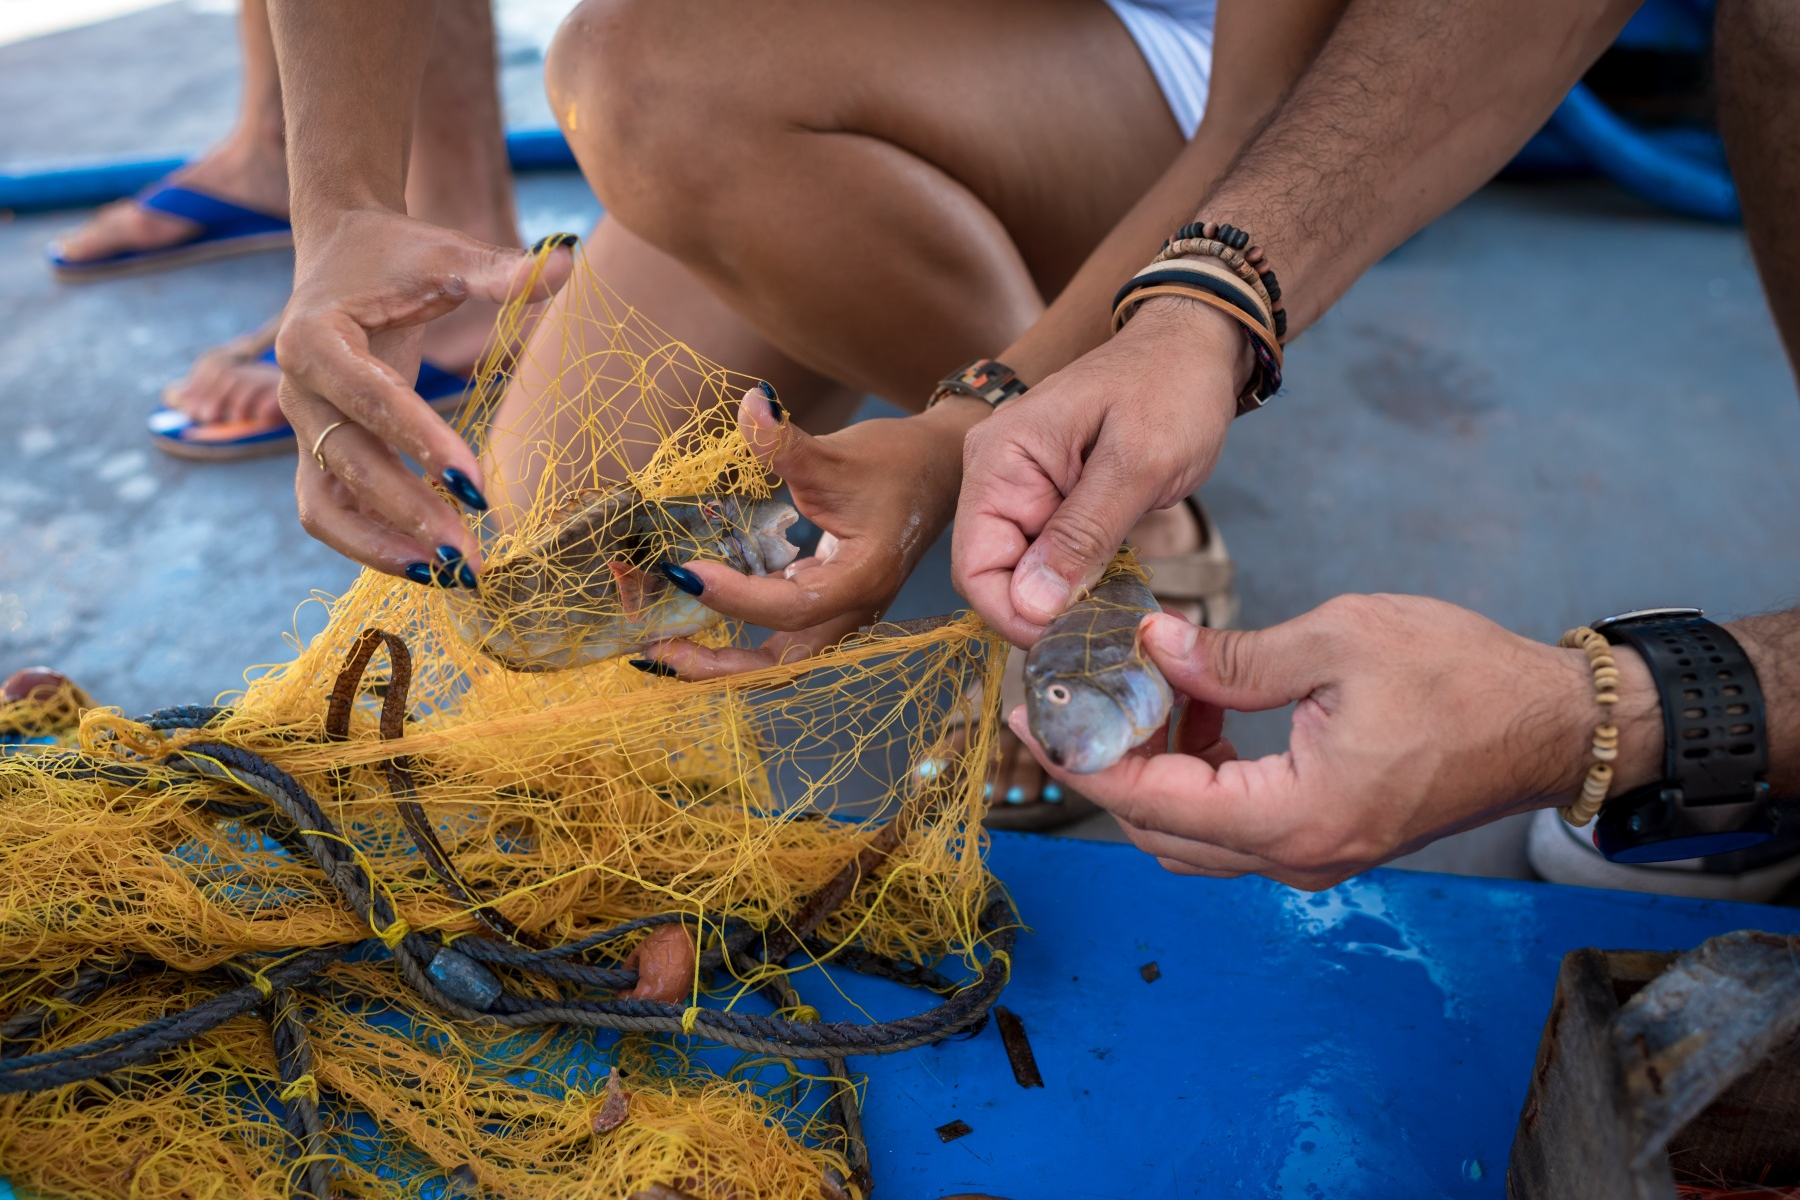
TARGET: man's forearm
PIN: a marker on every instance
(1410, 106)
(350, 73)
(1260, 48)
(1773, 644)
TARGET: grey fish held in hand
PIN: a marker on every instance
(595, 586)
(1091, 694)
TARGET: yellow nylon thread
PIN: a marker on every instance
(305, 1085)
(576, 800)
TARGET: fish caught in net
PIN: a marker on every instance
(457, 903)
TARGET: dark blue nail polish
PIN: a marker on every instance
(452, 568)
(775, 408)
(554, 241)
(650, 666)
(463, 488)
(419, 573)
(682, 578)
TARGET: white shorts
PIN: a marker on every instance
(1176, 39)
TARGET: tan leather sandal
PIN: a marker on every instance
(1197, 585)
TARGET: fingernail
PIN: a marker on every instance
(1050, 793)
(682, 578)
(775, 408)
(554, 241)
(419, 573)
(1015, 795)
(454, 568)
(463, 488)
(1172, 636)
(1043, 591)
(650, 666)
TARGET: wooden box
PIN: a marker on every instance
(1667, 1075)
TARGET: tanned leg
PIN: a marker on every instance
(249, 167)
(458, 177)
(1758, 69)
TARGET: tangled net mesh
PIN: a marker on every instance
(151, 868)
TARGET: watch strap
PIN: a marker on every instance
(986, 379)
(1716, 745)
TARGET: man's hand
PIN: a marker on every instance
(1054, 481)
(882, 491)
(1413, 719)
(365, 283)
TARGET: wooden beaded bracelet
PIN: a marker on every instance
(1237, 242)
(1606, 736)
(1203, 249)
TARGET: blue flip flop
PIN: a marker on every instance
(176, 433)
(222, 230)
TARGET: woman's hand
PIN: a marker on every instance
(1054, 481)
(366, 280)
(882, 491)
(1413, 719)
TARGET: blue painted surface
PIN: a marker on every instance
(1371, 1041)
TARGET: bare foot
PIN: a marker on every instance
(1022, 797)
(243, 169)
(231, 382)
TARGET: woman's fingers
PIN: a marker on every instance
(364, 476)
(328, 513)
(328, 357)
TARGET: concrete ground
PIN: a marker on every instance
(1551, 404)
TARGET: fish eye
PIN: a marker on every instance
(1057, 693)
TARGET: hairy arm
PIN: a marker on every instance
(1773, 644)
(1409, 108)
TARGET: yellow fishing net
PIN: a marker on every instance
(826, 810)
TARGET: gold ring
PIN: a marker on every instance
(319, 443)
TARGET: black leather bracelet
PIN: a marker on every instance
(1712, 798)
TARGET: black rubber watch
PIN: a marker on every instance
(1712, 798)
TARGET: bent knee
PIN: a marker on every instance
(643, 91)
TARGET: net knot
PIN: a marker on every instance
(304, 1086)
(689, 1017)
(261, 983)
(391, 936)
(806, 1014)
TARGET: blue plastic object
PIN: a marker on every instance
(82, 185)
(1683, 170)
(1370, 1042)
(1658, 170)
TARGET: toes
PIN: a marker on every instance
(119, 227)
(242, 391)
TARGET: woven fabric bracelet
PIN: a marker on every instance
(1606, 736)
(988, 380)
